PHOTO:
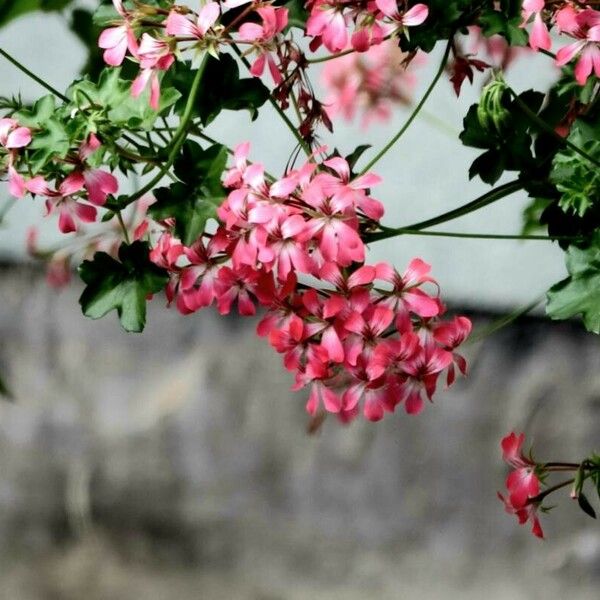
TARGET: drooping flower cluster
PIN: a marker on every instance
(372, 83)
(522, 483)
(573, 20)
(359, 335)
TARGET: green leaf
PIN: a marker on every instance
(585, 505)
(354, 156)
(222, 89)
(195, 200)
(575, 177)
(51, 138)
(112, 96)
(122, 285)
(579, 294)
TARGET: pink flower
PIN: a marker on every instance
(155, 55)
(423, 373)
(539, 36)
(586, 30)
(414, 16)
(17, 186)
(115, 41)
(524, 514)
(178, 25)
(274, 21)
(12, 136)
(371, 83)
(69, 209)
(522, 483)
(97, 182)
(328, 23)
(450, 335)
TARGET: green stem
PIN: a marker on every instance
(179, 136)
(416, 110)
(279, 110)
(123, 227)
(486, 236)
(541, 124)
(484, 200)
(547, 492)
(321, 59)
(502, 322)
(33, 76)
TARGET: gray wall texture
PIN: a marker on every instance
(176, 464)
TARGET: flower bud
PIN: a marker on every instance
(491, 110)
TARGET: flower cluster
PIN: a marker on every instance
(373, 82)
(522, 483)
(570, 19)
(78, 188)
(183, 30)
(330, 22)
(357, 334)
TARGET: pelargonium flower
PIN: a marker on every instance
(522, 483)
(357, 347)
(13, 136)
(70, 210)
(97, 182)
(274, 21)
(416, 15)
(179, 25)
(371, 83)
(539, 38)
(115, 41)
(327, 23)
(154, 55)
(585, 28)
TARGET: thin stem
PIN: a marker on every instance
(416, 110)
(321, 59)
(486, 236)
(33, 76)
(480, 202)
(541, 124)
(279, 110)
(547, 492)
(123, 227)
(503, 322)
(179, 137)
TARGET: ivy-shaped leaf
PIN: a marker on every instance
(112, 96)
(575, 177)
(196, 199)
(122, 285)
(579, 294)
(50, 135)
(221, 89)
(508, 148)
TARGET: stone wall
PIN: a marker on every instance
(176, 464)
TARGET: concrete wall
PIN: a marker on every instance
(176, 464)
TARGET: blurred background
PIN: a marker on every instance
(176, 463)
